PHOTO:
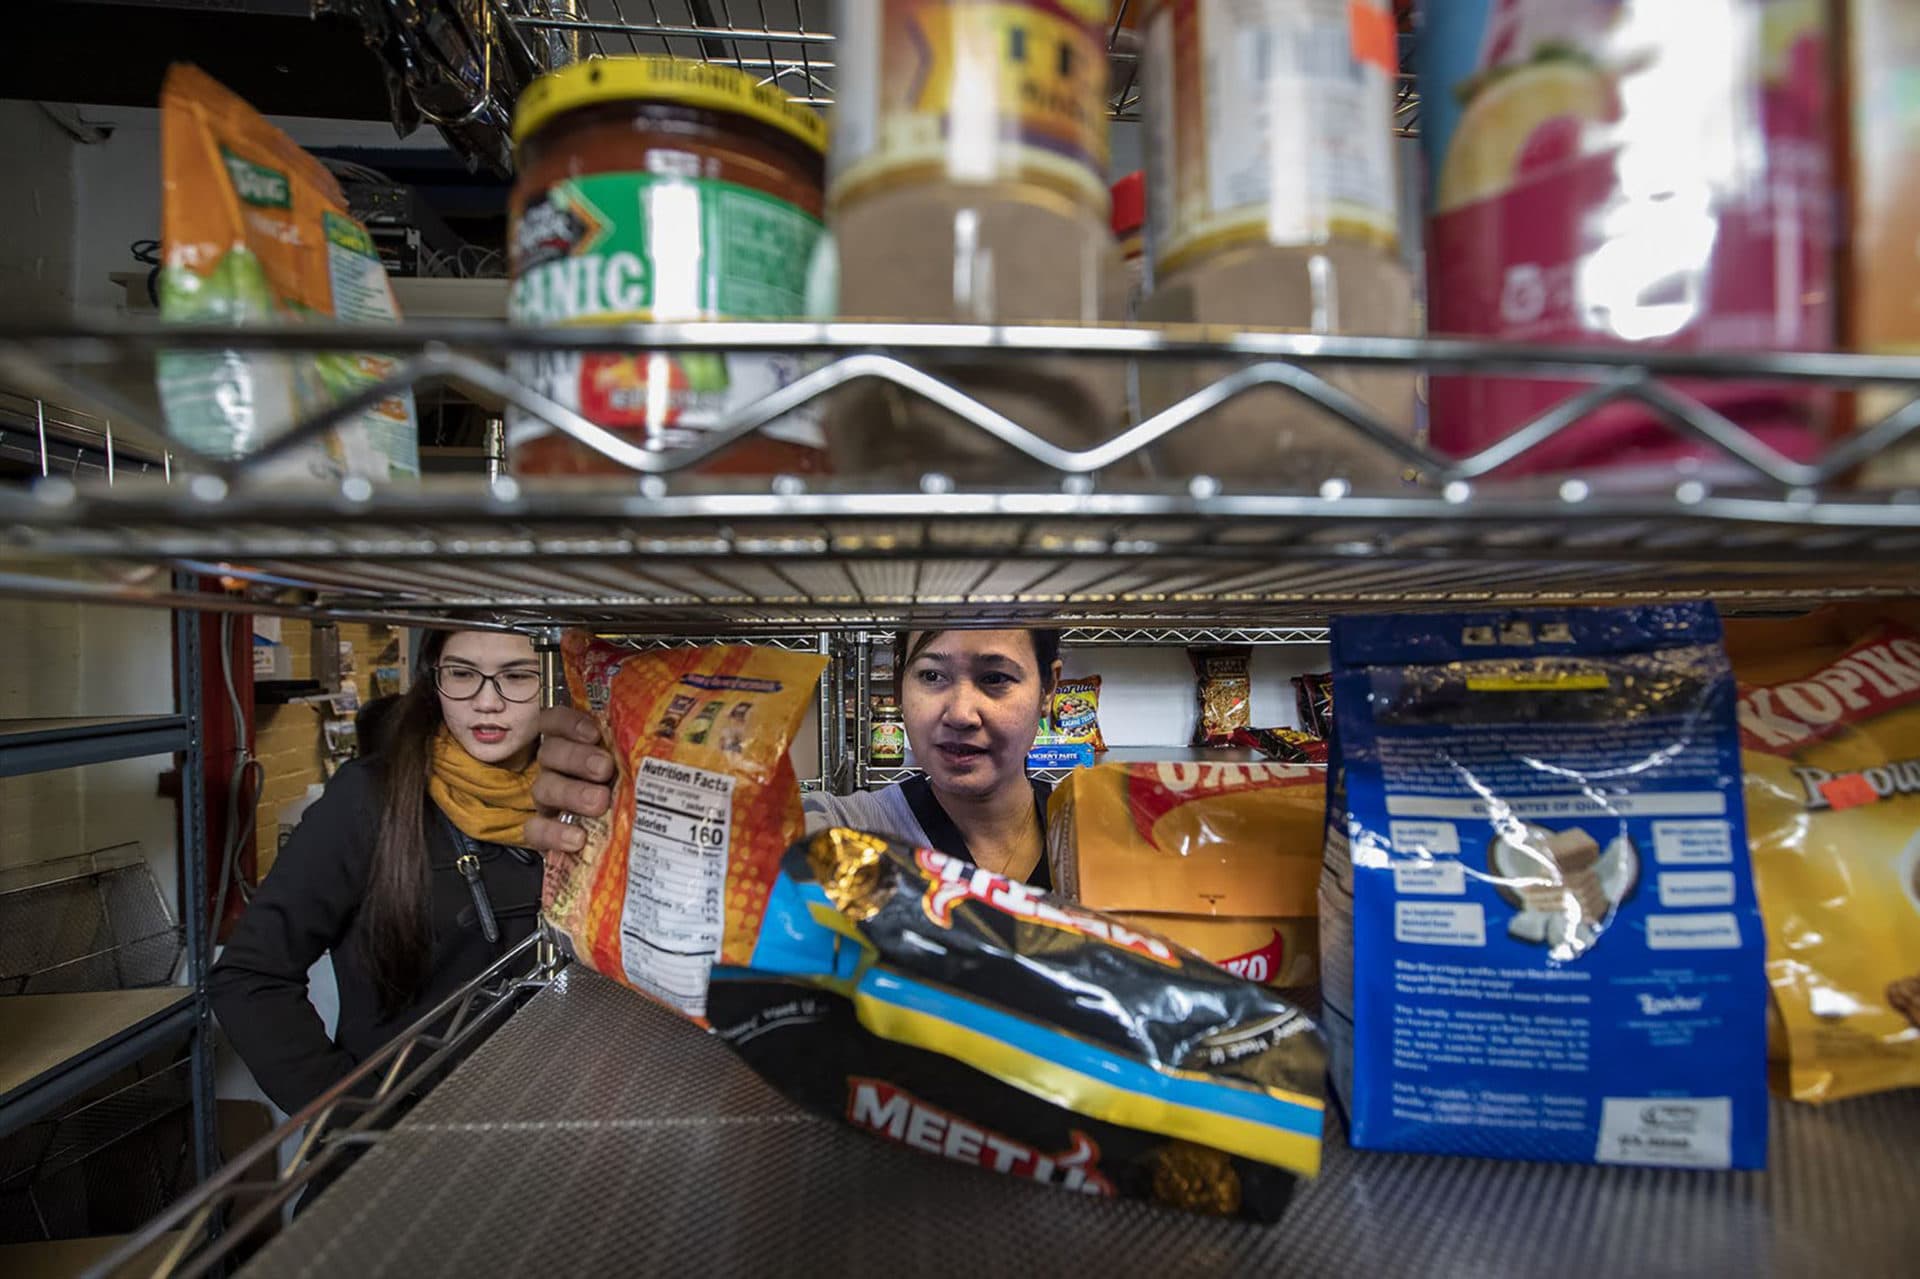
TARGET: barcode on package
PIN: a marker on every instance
(1677, 1132)
(675, 912)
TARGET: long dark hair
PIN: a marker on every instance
(398, 926)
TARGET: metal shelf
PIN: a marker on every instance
(43, 745)
(701, 564)
(355, 1113)
(57, 1046)
(467, 356)
(633, 1135)
(787, 43)
(464, 70)
(1186, 636)
(671, 552)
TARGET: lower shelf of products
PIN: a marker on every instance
(598, 1134)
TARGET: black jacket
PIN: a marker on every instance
(309, 904)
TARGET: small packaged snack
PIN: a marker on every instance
(255, 231)
(1076, 712)
(1830, 731)
(939, 1006)
(675, 878)
(1313, 699)
(1225, 692)
(1283, 745)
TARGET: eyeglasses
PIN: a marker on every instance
(462, 683)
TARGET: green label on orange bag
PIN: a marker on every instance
(973, 92)
(616, 248)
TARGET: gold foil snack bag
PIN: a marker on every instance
(1830, 734)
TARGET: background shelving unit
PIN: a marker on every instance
(37, 745)
(58, 1049)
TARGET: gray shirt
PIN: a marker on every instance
(890, 811)
(881, 812)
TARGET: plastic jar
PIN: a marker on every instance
(969, 185)
(887, 743)
(651, 188)
(1271, 203)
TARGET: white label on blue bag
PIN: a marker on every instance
(1671, 1132)
(1717, 931)
(1692, 843)
(1680, 889)
(1411, 839)
(1439, 924)
(1437, 879)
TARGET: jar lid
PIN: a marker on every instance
(655, 78)
(1129, 204)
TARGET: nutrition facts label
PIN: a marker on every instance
(675, 912)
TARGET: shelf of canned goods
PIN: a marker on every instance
(1082, 536)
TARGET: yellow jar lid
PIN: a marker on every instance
(656, 78)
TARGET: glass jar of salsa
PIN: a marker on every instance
(655, 189)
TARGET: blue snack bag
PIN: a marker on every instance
(1538, 926)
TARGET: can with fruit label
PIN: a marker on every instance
(1628, 173)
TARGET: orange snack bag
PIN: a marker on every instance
(674, 879)
(1222, 858)
(256, 232)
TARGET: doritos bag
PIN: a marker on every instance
(1222, 858)
(1830, 731)
(256, 231)
(943, 1007)
(675, 878)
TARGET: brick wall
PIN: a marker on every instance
(289, 740)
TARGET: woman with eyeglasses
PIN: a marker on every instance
(410, 871)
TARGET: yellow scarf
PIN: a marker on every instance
(487, 802)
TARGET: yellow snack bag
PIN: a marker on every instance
(256, 231)
(675, 878)
(1830, 731)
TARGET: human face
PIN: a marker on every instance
(972, 702)
(489, 727)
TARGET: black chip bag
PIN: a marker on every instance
(1313, 698)
(946, 1008)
